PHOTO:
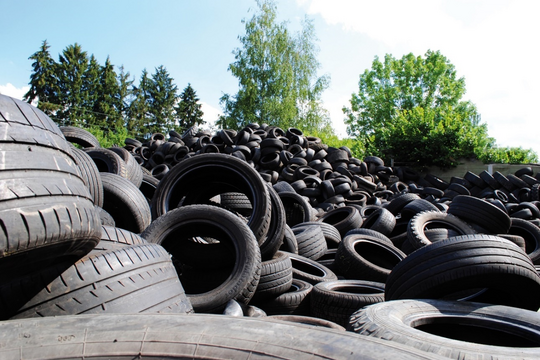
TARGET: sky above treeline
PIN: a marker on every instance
(493, 44)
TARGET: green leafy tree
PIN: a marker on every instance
(277, 75)
(189, 111)
(139, 107)
(91, 92)
(107, 108)
(43, 81)
(411, 110)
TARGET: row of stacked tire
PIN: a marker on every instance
(242, 230)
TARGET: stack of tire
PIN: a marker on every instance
(56, 258)
(261, 222)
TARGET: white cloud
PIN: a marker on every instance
(12, 91)
(211, 114)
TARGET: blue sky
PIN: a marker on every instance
(492, 43)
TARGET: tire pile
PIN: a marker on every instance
(261, 242)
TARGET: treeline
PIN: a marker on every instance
(77, 90)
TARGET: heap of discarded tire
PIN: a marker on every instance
(261, 242)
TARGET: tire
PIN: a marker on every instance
(456, 330)
(134, 171)
(308, 320)
(338, 300)
(113, 238)
(125, 202)
(295, 301)
(370, 232)
(297, 208)
(399, 201)
(46, 212)
(107, 161)
(415, 207)
(480, 212)
(531, 235)
(331, 234)
(148, 187)
(343, 219)
(289, 241)
(311, 241)
(276, 277)
(137, 278)
(309, 270)
(196, 181)
(200, 336)
(274, 238)
(433, 220)
(177, 227)
(380, 220)
(79, 136)
(363, 257)
(90, 175)
(450, 267)
(105, 217)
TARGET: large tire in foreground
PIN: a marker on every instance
(197, 336)
(456, 330)
(494, 269)
(198, 179)
(46, 211)
(131, 279)
(177, 228)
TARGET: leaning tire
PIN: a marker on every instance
(177, 227)
(456, 330)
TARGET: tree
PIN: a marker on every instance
(411, 110)
(108, 106)
(162, 99)
(43, 81)
(189, 111)
(138, 111)
(277, 76)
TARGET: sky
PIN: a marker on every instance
(493, 44)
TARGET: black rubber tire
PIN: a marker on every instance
(343, 218)
(531, 235)
(178, 226)
(80, 136)
(297, 208)
(108, 161)
(415, 207)
(276, 277)
(105, 217)
(311, 241)
(113, 238)
(480, 212)
(126, 203)
(456, 330)
(295, 301)
(308, 320)
(399, 201)
(148, 187)
(134, 170)
(362, 257)
(309, 270)
(200, 336)
(331, 234)
(464, 263)
(196, 180)
(338, 300)
(137, 278)
(380, 220)
(276, 229)
(369, 232)
(90, 175)
(46, 211)
(433, 220)
(289, 241)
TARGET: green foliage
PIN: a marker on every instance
(277, 76)
(109, 138)
(189, 110)
(509, 155)
(410, 109)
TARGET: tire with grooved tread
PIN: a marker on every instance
(107, 161)
(113, 238)
(276, 276)
(294, 301)
(338, 300)
(464, 263)
(126, 203)
(480, 212)
(178, 227)
(311, 241)
(131, 279)
(198, 179)
(90, 175)
(175, 336)
(455, 330)
(80, 136)
(46, 211)
(133, 169)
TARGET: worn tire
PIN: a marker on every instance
(80, 136)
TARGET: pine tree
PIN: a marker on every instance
(162, 100)
(91, 91)
(43, 81)
(139, 108)
(189, 111)
(107, 108)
